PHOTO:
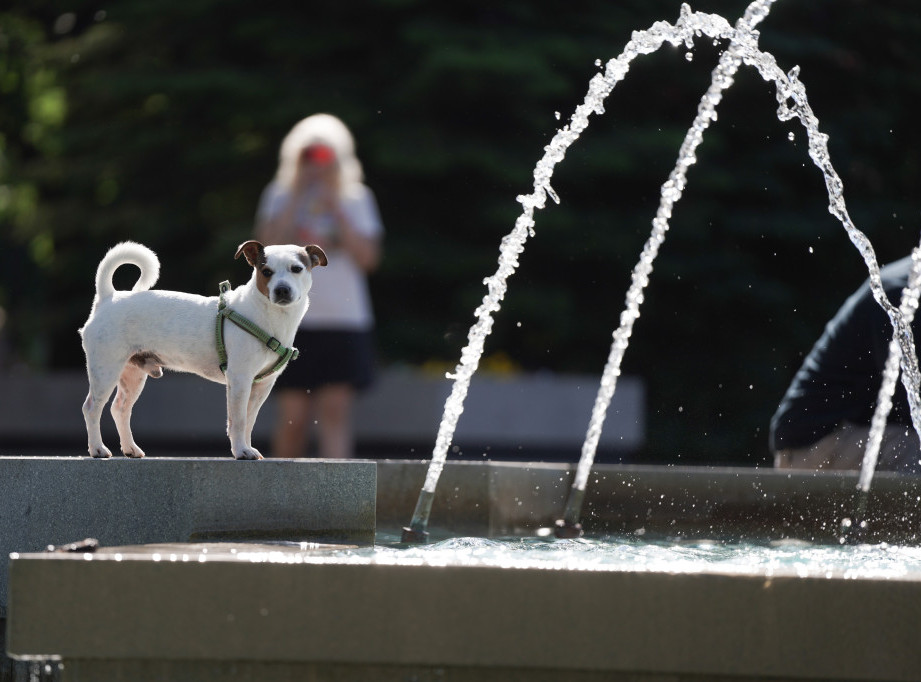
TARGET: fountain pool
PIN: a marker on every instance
(653, 593)
(476, 609)
(789, 558)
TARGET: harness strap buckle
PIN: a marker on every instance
(273, 344)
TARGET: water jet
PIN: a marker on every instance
(793, 103)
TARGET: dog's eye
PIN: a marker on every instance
(267, 272)
(297, 268)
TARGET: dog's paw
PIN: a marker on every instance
(100, 452)
(248, 453)
(134, 452)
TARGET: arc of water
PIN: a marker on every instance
(907, 308)
(902, 347)
(853, 527)
(743, 49)
(742, 38)
(789, 89)
(600, 86)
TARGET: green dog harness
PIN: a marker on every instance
(223, 312)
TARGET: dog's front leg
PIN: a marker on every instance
(239, 390)
(258, 393)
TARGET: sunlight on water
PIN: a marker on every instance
(621, 553)
(794, 559)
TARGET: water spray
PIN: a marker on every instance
(793, 103)
(853, 529)
(722, 78)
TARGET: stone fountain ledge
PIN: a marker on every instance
(513, 498)
(203, 612)
(270, 612)
(60, 500)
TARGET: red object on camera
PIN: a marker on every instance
(319, 154)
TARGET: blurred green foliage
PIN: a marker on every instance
(160, 122)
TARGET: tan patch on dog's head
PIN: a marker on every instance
(254, 252)
(262, 280)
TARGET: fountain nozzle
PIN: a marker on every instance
(415, 536)
(569, 527)
(415, 532)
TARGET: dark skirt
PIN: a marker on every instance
(330, 357)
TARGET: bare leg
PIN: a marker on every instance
(334, 404)
(293, 426)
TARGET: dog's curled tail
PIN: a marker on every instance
(126, 253)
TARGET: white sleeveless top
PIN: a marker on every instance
(339, 296)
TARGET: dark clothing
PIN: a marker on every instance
(330, 357)
(840, 378)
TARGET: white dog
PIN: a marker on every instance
(131, 335)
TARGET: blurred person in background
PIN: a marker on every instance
(823, 421)
(318, 197)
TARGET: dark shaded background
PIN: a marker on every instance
(159, 121)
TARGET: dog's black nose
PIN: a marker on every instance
(282, 293)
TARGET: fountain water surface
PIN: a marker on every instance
(791, 96)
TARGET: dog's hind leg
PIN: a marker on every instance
(130, 384)
(103, 378)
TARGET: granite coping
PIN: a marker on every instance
(58, 500)
(298, 606)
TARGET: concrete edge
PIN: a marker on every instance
(519, 498)
(706, 624)
(58, 500)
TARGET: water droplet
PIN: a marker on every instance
(791, 136)
(689, 56)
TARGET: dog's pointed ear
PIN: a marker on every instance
(315, 255)
(253, 251)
